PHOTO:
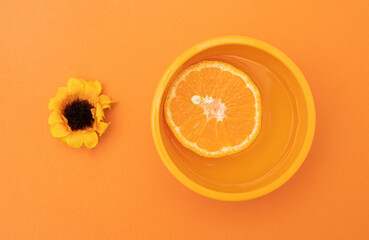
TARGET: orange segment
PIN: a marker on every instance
(182, 111)
(238, 129)
(222, 134)
(192, 129)
(193, 79)
(214, 109)
(184, 91)
(209, 78)
(221, 84)
(208, 139)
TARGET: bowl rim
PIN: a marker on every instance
(155, 114)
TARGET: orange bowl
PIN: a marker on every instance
(287, 130)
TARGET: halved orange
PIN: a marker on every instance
(214, 109)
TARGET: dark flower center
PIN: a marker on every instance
(78, 113)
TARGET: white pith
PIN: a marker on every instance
(213, 108)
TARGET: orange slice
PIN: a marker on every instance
(213, 109)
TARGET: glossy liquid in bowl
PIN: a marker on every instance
(278, 142)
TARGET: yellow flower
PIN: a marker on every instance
(78, 113)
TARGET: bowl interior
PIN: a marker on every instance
(283, 131)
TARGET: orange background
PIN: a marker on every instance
(121, 190)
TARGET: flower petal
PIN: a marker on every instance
(99, 113)
(96, 86)
(101, 127)
(90, 139)
(105, 101)
(76, 86)
(54, 104)
(59, 130)
(91, 93)
(62, 93)
(64, 139)
(55, 117)
(74, 139)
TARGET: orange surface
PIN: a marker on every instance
(121, 190)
